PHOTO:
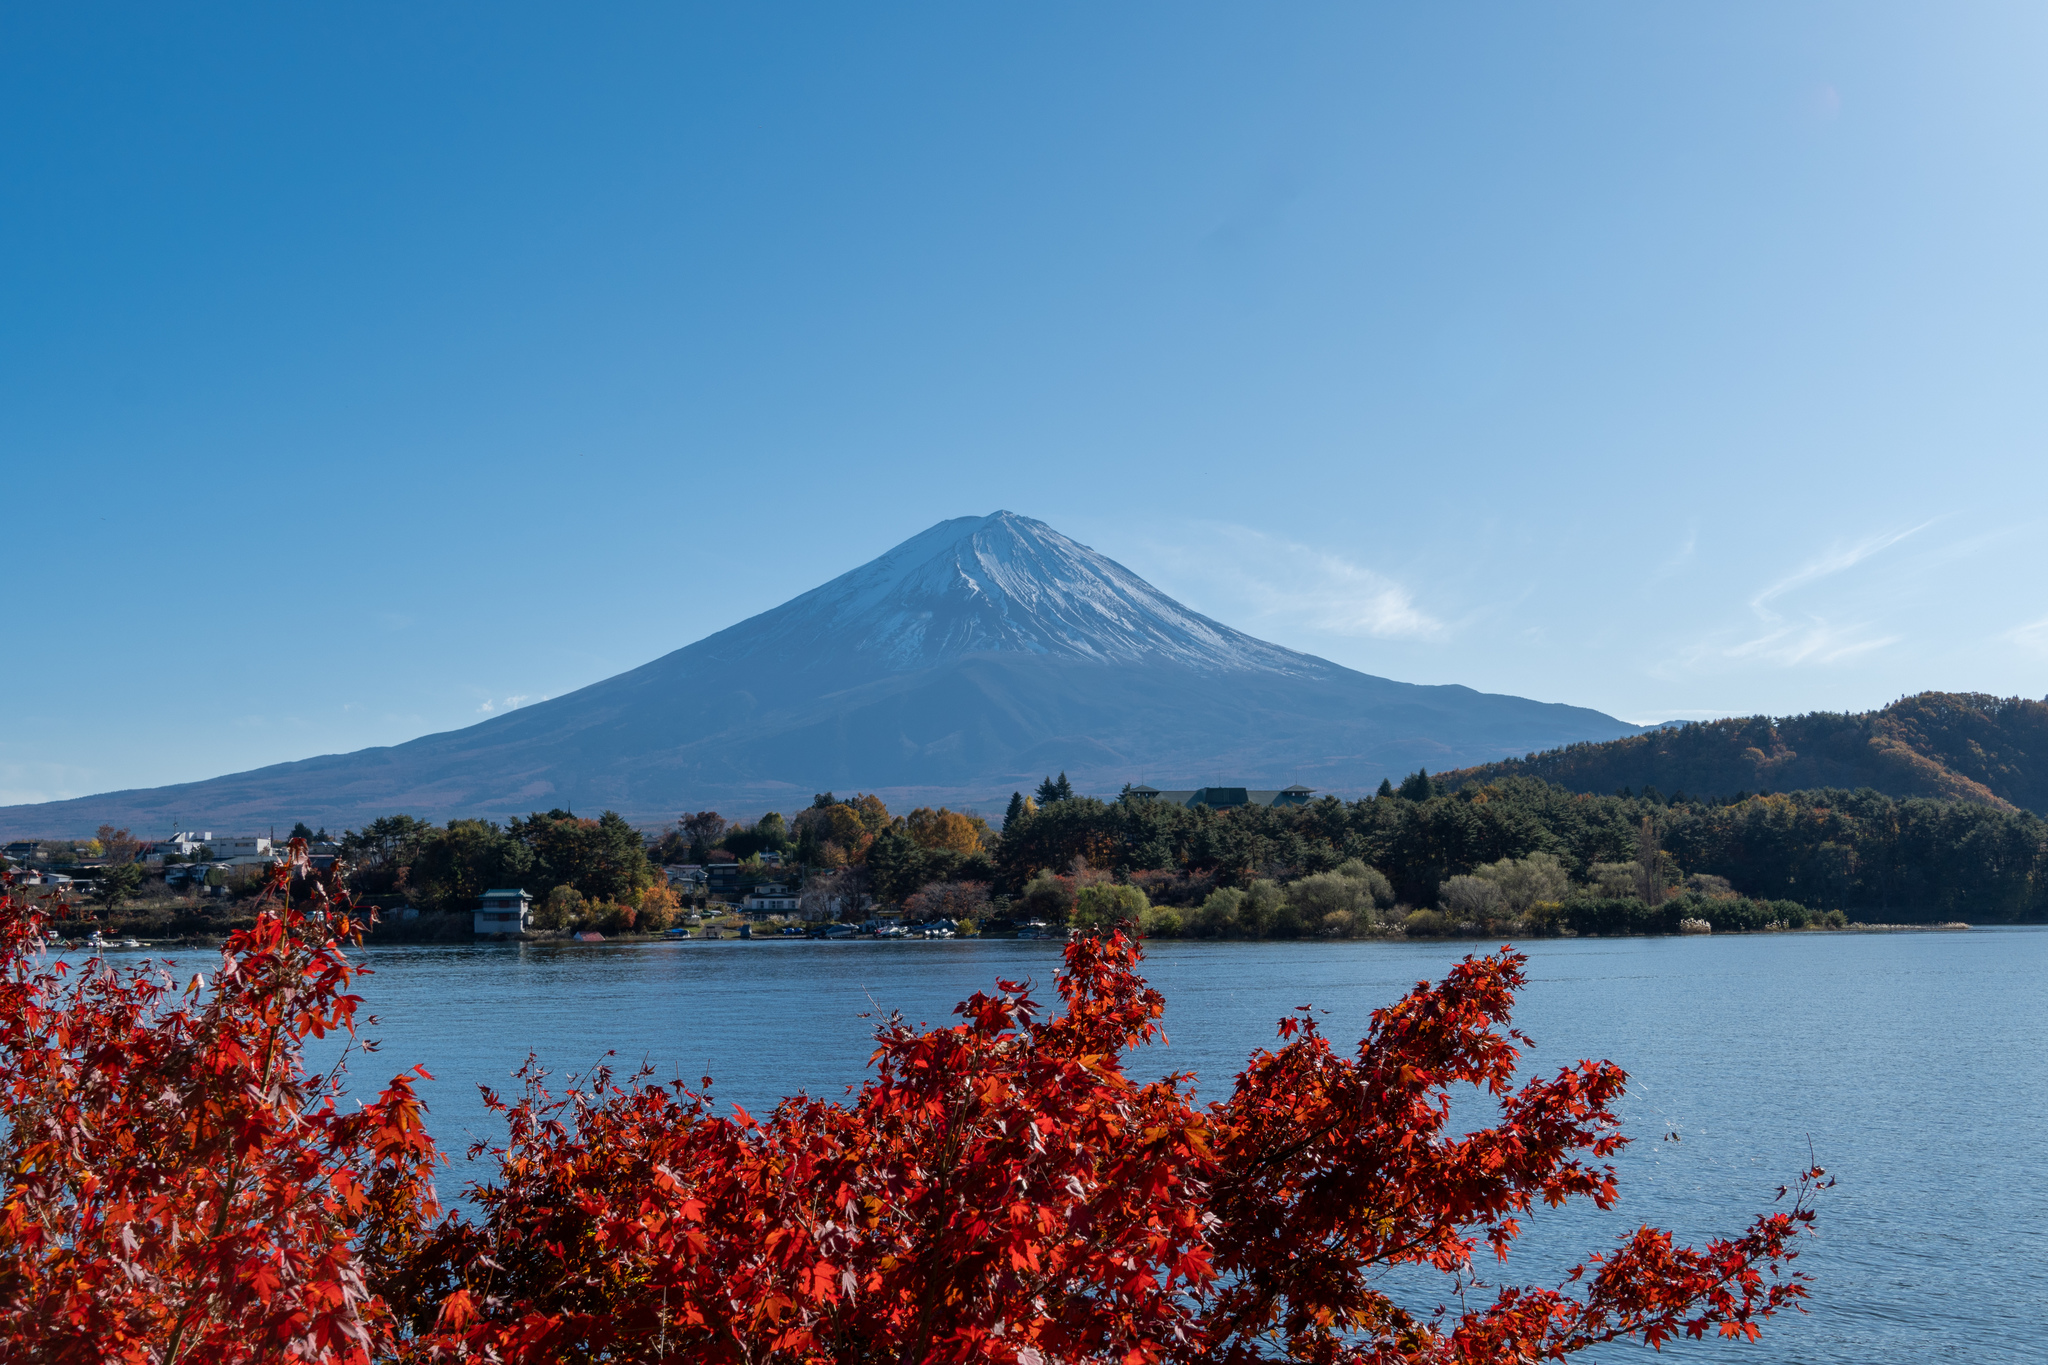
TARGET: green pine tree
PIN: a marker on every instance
(1386, 787)
(895, 869)
(1015, 812)
(119, 883)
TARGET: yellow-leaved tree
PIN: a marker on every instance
(658, 910)
(948, 829)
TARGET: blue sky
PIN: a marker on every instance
(366, 370)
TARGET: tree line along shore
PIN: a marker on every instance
(1510, 857)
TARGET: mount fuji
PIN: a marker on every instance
(967, 662)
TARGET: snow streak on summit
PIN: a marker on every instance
(1001, 582)
(965, 663)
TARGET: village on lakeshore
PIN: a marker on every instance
(1216, 861)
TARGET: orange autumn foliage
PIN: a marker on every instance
(947, 829)
(659, 908)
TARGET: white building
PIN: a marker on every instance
(504, 912)
(770, 899)
(240, 851)
(185, 843)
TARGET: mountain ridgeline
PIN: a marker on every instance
(963, 664)
(1960, 745)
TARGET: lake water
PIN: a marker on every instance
(1913, 1063)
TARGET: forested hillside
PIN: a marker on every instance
(1918, 859)
(1963, 745)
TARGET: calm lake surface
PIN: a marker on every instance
(1914, 1063)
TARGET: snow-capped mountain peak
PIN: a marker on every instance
(1003, 583)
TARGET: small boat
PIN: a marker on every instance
(590, 936)
(130, 943)
(94, 941)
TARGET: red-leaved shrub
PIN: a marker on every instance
(179, 1188)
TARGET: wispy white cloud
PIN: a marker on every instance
(1834, 562)
(512, 703)
(1974, 545)
(1815, 642)
(2031, 636)
(1785, 638)
(1283, 580)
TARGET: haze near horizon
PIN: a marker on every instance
(365, 375)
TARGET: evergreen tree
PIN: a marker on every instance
(1048, 791)
(1064, 789)
(118, 883)
(1015, 812)
(895, 869)
(1417, 786)
(1386, 787)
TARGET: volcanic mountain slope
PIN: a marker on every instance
(968, 661)
(1964, 745)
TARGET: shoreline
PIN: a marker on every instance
(570, 940)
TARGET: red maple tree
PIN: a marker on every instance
(1000, 1190)
(178, 1186)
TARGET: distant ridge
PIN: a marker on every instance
(1964, 745)
(968, 661)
